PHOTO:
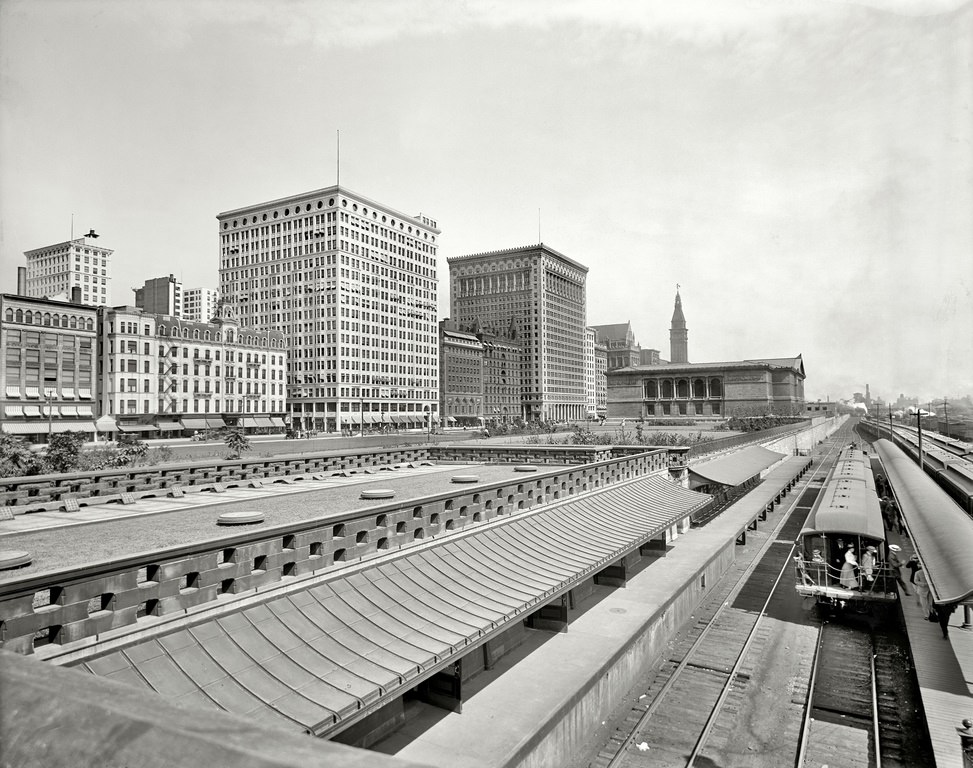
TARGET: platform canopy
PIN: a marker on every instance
(313, 658)
(941, 532)
(738, 467)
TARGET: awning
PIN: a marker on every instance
(13, 410)
(69, 410)
(105, 424)
(21, 428)
(264, 422)
(215, 424)
(451, 419)
(339, 651)
(188, 423)
(84, 410)
(137, 427)
(67, 393)
(33, 392)
(73, 426)
(276, 421)
(13, 391)
(170, 426)
(50, 410)
(736, 468)
(32, 410)
(84, 393)
(249, 422)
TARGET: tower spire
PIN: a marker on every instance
(678, 333)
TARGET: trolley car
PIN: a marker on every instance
(841, 555)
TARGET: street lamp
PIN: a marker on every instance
(428, 413)
(49, 395)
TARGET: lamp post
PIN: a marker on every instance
(49, 399)
(428, 413)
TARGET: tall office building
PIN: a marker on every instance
(199, 305)
(160, 296)
(541, 294)
(352, 284)
(54, 270)
(678, 334)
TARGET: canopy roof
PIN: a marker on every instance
(311, 659)
(942, 533)
(737, 467)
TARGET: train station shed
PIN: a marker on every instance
(733, 470)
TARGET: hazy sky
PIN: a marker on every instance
(804, 170)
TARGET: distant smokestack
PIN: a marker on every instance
(76, 294)
(21, 281)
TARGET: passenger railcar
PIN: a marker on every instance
(841, 555)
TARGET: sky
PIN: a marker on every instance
(803, 169)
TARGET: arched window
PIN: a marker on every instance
(651, 390)
(206, 335)
(8, 315)
(29, 317)
(667, 390)
(162, 330)
(699, 388)
(89, 324)
(715, 388)
(682, 388)
(185, 333)
(73, 321)
(196, 334)
(56, 321)
(20, 315)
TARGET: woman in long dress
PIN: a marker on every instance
(849, 576)
(922, 593)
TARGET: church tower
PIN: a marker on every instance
(678, 335)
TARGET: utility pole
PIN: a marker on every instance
(946, 414)
(890, 421)
(919, 424)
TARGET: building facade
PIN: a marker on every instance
(503, 366)
(199, 305)
(48, 366)
(619, 340)
(54, 270)
(590, 391)
(601, 380)
(461, 380)
(351, 283)
(539, 293)
(744, 388)
(161, 296)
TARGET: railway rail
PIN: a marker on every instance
(683, 713)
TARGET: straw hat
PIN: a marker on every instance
(871, 549)
(895, 547)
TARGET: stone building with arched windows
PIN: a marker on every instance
(742, 388)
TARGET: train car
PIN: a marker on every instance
(841, 554)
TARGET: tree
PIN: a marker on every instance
(63, 452)
(16, 457)
(236, 442)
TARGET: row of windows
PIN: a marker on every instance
(55, 320)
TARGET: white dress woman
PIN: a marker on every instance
(849, 576)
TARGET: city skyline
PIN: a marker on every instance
(811, 196)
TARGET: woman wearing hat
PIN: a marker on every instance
(922, 593)
(868, 562)
(849, 579)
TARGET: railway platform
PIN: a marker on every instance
(944, 668)
(540, 700)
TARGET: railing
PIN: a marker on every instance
(876, 580)
(68, 605)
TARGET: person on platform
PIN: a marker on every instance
(913, 566)
(837, 560)
(869, 557)
(923, 595)
(849, 576)
(895, 566)
(943, 612)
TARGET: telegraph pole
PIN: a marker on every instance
(919, 424)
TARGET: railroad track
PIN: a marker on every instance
(701, 684)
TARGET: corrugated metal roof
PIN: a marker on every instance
(737, 467)
(313, 658)
(942, 533)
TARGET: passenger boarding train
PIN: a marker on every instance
(841, 554)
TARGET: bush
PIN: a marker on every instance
(235, 441)
(16, 457)
(63, 452)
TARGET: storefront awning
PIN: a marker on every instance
(170, 426)
(194, 423)
(276, 421)
(215, 424)
(105, 424)
(264, 422)
(73, 426)
(249, 422)
(137, 427)
(22, 428)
